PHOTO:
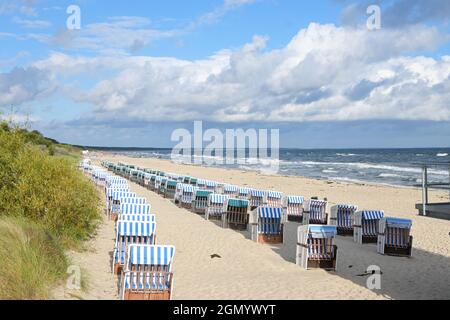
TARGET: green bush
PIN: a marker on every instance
(45, 189)
(31, 260)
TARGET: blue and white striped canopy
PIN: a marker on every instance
(372, 215)
(131, 208)
(187, 188)
(275, 194)
(137, 200)
(230, 188)
(218, 198)
(135, 229)
(110, 191)
(211, 184)
(347, 207)
(154, 255)
(120, 194)
(244, 191)
(295, 200)
(138, 217)
(321, 231)
(258, 193)
(201, 182)
(399, 223)
(270, 212)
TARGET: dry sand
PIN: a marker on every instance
(247, 270)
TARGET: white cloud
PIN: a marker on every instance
(325, 73)
(32, 24)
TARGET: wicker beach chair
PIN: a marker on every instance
(266, 225)
(394, 237)
(130, 232)
(230, 190)
(294, 208)
(315, 212)
(244, 193)
(187, 196)
(365, 228)
(216, 206)
(116, 202)
(342, 216)
(274, 199)
(200, 202)
(148, 273)
(236, 216)
(315, 247)
(257, 198)
(171, 186)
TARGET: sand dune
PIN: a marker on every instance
(247, 270)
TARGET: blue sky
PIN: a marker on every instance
(140, 69)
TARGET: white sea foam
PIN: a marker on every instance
(442, 155)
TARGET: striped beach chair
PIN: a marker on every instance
(193, 182)
(230, 190)
(147, 180)
(163, 186)
(137, 217)
(187, 196)
(274, 199)
(244, 193)
(117, 197)
(315, 212)
(171, 187)
(201, 184)
(135, 200)
(365, 228)
(266, 224)
(148, 273)
(236, 216)
(178, 193)
(294, 208)
(131, 232)
(342, 216)
(216, 206)
(158, 181)
(394, 237)
(315, 247)
(133, 208)
(257, 198)
(210, 185)
(200, 202)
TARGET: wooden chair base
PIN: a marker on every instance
(328, 264)
(140, 296)
(344, 231)
(295, 218)
(237, 226)
(186, 205)
(270, 238)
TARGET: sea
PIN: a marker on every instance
(399, 167)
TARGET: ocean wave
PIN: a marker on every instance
(346, 154)
(442, 155)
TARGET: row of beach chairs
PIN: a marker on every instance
(264, 214)
(143, 267)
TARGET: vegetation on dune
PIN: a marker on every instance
(46, 206)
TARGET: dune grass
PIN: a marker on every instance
(46, 206)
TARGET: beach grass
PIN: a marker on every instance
(46, 207)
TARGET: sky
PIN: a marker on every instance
(135, 71)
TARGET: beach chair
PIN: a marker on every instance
(266, 225)
(230, 190)
(148, 273)
(178, 193)
(257, 198)
(244, 193)
(315, 212)
(135, 200)
(132, 208)
(236, 216)
(365, 228)
(294, 208)
(201, 184)
(131, 232)
(171, 186)
(158, 181)
(186, 180)
(187, 196)
(147, 180)
(137, 217)
(200, 202)
(210, 185)
(116, 202)
(394, 237)
(315, 247)
(193, 182)
(342, 216)
(216, 206)
(163, 186)
(274, 199)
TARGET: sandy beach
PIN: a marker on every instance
(247, 270)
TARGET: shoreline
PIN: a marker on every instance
(269, 272)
